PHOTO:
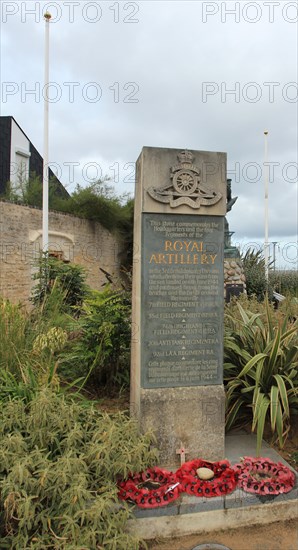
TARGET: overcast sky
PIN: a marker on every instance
(182, 74)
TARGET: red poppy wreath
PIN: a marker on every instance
(222, 478)
(263, 476)
(150, 489)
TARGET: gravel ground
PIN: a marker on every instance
(273, 536)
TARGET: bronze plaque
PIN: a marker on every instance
(182, 300)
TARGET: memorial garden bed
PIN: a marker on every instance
(33, 349)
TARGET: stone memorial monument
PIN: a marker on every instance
(177, 336)
(234, 277)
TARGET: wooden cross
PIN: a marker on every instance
(182, 452)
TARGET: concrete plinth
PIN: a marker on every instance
(215, 520)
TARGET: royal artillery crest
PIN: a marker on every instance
(185, 186)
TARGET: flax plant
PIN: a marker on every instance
(261, 372)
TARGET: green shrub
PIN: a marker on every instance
(97, 202)
(254, 270)
(102, 352)
(47, 345)
(260, 372)
(59, 462)
(59, 284)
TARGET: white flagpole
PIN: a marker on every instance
(266, 182)
(45, 186)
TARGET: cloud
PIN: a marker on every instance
(165, 78)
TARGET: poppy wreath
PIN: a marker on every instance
(150, 489)
(263, 476)
(223, 482)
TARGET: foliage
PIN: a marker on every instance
(125, 228)
(96, 201)
(294, 457)
(248, 303)
(254, 270)
(49, 344)
(260, 372)
(285, 282)
(28, 191)
(287, 309)
(28, 352)
(15, 340)
(59, 283)
(102, 352)
(25, 384)
(59, 463)
(99, 202)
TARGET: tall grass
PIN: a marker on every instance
(16, 336)
(28, 351)
(285, 282)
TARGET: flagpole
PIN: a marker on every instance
(45, 186)
(266, 243)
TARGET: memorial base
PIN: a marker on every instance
(192, 418)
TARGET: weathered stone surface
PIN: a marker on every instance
(154, 167)
(191, 416)
(233, 274)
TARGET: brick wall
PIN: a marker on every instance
(80, 241)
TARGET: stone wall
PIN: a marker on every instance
(234, 273)
(79, 241)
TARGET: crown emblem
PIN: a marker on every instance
(185, 157)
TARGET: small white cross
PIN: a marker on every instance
(182, 452)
